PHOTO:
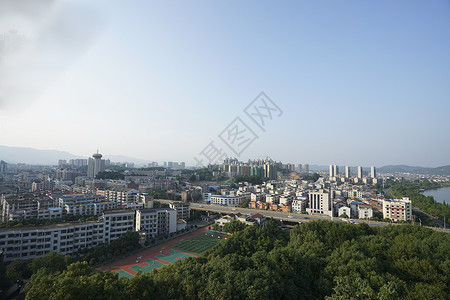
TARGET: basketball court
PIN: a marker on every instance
(190, 245)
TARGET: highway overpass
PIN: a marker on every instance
(289, 217)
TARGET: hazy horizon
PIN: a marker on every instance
(355, 83)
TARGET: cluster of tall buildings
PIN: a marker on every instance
(262, 168)
(79, 162)
(266, 168)
(334, 172)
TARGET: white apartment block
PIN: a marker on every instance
(122, 195)
(355, 194)
(229, 200)
(183, 210)
(298, 205)
(67, 238)
(79, 199)
(88, 208)
(27, 206)
(42, 213)
(156, 221)
(117, 223)
(320, 202)
(398, 209)
(85, 204)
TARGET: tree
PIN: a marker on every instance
(215, 226)
(317, 260)
(18, 270)
(244, 204)
(4, 283)
(52, 262)
(233, 226)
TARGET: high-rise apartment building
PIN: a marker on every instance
(334, 171)
(299, 168)
(3, 167)
(359, 172)
(347, 172)
(373, 172)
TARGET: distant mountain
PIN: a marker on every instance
(33, 156)
(401, 169)
(14, 155)
(444, 170)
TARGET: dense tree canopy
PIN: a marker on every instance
(317, 260)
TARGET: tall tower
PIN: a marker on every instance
(3, 167)
(306, 168)
(373, 172)
(299, 168)
(332, 174)
(347, 172)
(336, 170)
(95, 165)
(359, 173)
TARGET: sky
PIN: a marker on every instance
(353, 82)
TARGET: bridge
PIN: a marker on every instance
(283, 216)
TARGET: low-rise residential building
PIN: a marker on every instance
(344, 210)
(230, 200)
(224, 220)
(398, 209)
(365, 211)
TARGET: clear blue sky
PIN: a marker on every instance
(359, 82)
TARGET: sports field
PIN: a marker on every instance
(197, 245)
(190, 245)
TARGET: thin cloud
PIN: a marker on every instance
(39, 40)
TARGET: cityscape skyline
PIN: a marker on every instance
(357, 83)
(139, 162)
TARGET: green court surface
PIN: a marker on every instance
(173, 257)
(152, 264)
(122, 273)
(197, 245)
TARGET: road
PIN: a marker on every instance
(291, 217)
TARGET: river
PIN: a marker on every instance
(440, 195)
